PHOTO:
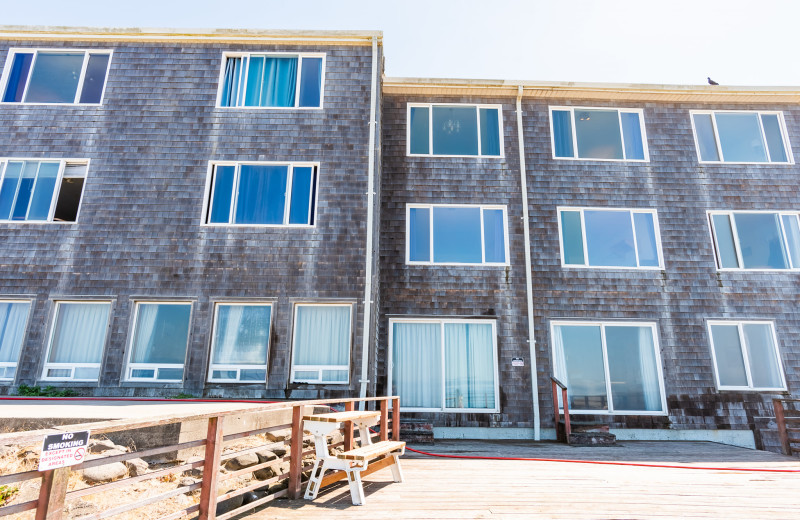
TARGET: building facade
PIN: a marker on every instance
(307, 228)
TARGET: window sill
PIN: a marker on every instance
(592, 159)
(456, 156)
(77, 105)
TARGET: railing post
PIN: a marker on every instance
(208, 488)
(396, 419)
(555, 404)
(385, 419)
(296, 459)
(567, 427)
(348, 427)
(783, 434)
(52, 494)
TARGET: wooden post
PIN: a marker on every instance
(396, 419)
(783, 434)
(567, 427)
(296, 459)
(52, 494)
(385, 419)
(348, 428)
(555, 404)
(208, 488)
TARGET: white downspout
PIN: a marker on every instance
(370, 220)
(528, 270)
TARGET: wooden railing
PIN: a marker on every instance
(787, 415)
(556, 385)
(53, 492)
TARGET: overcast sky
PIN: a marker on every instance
(736, 42)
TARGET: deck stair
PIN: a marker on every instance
(578, 434)
(787, 417)
(416, 431)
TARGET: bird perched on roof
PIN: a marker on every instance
(712, 82)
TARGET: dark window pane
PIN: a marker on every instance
(609, 238)
(253, 375)
(262, 194)
(772, 131)
(9, 188)
(222, 194)
(562, 133)
(760, 241)
(632, 135)
(598, 134)
(726, 249)
(455, 131)
(302, 187)
(170, 373)
(572, 237)
(792, 229)
(646, 239)
(55, 78)
(43, 192)
(419, 226)
(490, 131)
(311, 82)
(705, 137)
(457, 235)
(161, 334)
(420, 130)
(18, 76)
(95, 78)
(493, 236)
(740, 138)
(241, 335)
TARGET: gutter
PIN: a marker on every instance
(528, 269)
(366, 335)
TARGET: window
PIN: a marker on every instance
(160, 337)
(41, 190)
(444, 365)
(321, 348)
(595, 237)
(456, 234)
(240, 343)
(455, 130)
(262, 194)
(609, 134)
(272, 80)
(76, 341)
(13, 320)
(55, 76)
(610, 368)
(745, 355)
(741, 137)
(756, 239)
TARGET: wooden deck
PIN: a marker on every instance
(437, 488)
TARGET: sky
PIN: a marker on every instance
(735, 42)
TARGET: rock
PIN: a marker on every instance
(80, 508)
(252, 496)
(121, 448)
(105, 473)
(194, 472)
(265, 456)
(101, 445)
(187, 481)
(242, 461)
(229, 505)
(274, 471)
(136, 467)
(278, 486)
(278, 450)
(106, 453)
(279, 435)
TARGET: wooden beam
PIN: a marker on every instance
(395, 419)
(296, 461)
(385, 420)
(52, 494)
(348, 427)
(780, 418)
(208, 490)
(372, 468)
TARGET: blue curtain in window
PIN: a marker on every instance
(632, 135)
(490, 131)
(280, 82)
(562, 133)
(230, 83)
(18, 77)
(262, 194)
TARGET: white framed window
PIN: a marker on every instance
(271, 80)
(756, 240)
(597, 133)
(13, 324)
(455, 130)
(240, 342)
(77, 340)
(606, 237)
(41, 190)
(745, 355)
(609, 367)
(55, 76)
(321, 343)
(261, 194)
(159, 341)
(741, 136)
(441, 364)
(456, 234)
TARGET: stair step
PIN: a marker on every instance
(416, 431)
(596, 438)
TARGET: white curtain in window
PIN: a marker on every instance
(761, 352)
(651, 385)
(559, 361)
(80, 333)
(143, 349)
(12, 329)
(322, 335)
(469, 365)
(241, 335)
(229, 319)
(417, 364)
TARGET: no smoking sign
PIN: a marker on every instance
(63, 449)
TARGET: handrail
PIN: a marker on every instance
(53, 490)
(783, 430)
(567, 427)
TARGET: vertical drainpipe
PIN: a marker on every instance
(528, 270)
(366, 335)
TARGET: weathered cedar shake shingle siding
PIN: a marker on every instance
(139, 231)
(679, 299)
